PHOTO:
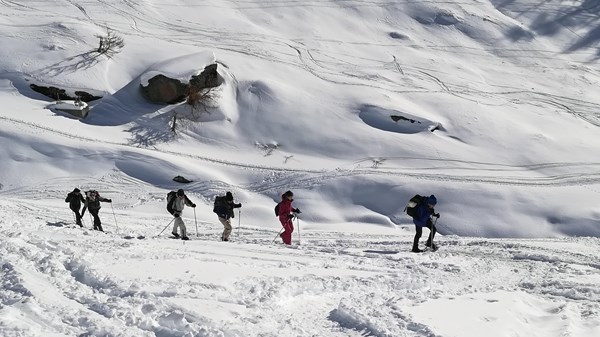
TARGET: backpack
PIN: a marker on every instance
(277, 209)
(170, 198)
(92, 200)
(413, 203)
(219, 206)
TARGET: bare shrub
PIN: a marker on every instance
(200, 100)
(110, 44)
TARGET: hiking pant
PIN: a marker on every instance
(77, 217)
(419, 230)
(179, 224)
(227, 228)
(97, 222)
(288, 228)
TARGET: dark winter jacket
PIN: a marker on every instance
(75, 200)
(423, 214)
(224, 208)
(92, 201)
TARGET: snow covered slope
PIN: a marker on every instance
(355, 106)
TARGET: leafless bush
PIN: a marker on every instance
(110, 44)
(267, 148)
(199, 100)
(377, 162)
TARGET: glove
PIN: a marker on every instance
(290, 216)
(297, 210)
(176, 214)
(109, 200)
(239, 205)
(193, 205)
(437, 215)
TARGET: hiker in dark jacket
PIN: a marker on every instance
(92, 203)
(286, 216)
(224, 206)
(424, 212)
(75, 199)
(175, 207)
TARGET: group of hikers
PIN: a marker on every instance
(421, 209)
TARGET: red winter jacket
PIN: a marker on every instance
(285, 207)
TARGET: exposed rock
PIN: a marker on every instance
(166, 90)
(162, 89)
(208, 78)
(181, 179)
(61, 94)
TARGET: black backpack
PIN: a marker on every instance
(220, 205)
(277, 209)
(413, 204)
(92, 199)
(170, 199)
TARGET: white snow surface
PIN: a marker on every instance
(493, 106)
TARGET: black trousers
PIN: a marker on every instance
(97, 222)
(77, 216)
(419, 233)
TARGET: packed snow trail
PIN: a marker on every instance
(62, 280)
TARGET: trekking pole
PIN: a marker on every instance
(278, 234)
(165, 228)
(298, 225)
(239, 221)
(113, 211)
(195, 221)
(432, 231)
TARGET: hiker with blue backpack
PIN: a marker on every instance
(223, 207)
(286, 212)
(176, 201)
(422, 210)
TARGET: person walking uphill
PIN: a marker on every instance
(92, 203)
(224, 206)
(176, 201)
(286, 216)
(75, 199)
(422, 218)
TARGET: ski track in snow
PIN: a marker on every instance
(316, 177)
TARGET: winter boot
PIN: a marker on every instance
(175, 235)
(184, 238)
(415, 248)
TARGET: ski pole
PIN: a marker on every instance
(113, 211)
(278, 234)
(195, 221)
(165, 228)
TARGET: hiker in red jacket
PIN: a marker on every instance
(286, 216)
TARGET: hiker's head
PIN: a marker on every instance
(76, 190)
(180, 193)
(431, 200)
(288, 195)
(228, 196)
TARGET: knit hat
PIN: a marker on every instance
(76, 190)
(432, 200)
(180, 192)
(228, 196)
(288, 194)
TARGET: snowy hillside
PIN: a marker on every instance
(355, 106)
